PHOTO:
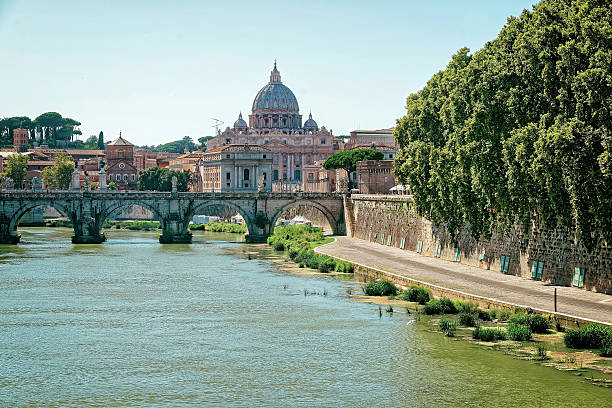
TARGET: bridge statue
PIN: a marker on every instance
(87, 210)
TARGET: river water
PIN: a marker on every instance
(132, 322)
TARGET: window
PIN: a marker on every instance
(227, 156)
(274, 175)
(284, 176)
(245, 177)
(578, 277)
(265, 176)
(228, 141)
(310, 177)
(457, 256)
(504, 263)
(297, 175)
(375, 235)
(264, 156)
(120, 153)
(536, 270)
(275, 159)
(438, 251)
(133, 177)
(125, 177)
(228, 176)
(419, 247)
(322, 141)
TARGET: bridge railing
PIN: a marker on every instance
(17, 194)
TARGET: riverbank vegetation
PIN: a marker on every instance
(217, 226)
(519, 130)
(516, 332)
(298, 242)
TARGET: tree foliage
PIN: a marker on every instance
(177, 146)
(521, 129)
(160, 179)
(16, 169)
(101, 145)
(347, 159)
(60, 174)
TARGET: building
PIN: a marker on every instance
(185, 162)
(20, 139)
(368, 137)
(144, 159)
(235, 168)
(318, 179)
(375, 176)
(275, 123)
(120, 164)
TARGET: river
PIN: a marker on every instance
(132, 322)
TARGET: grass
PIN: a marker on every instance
(380, 288)
(299, 240)
(220, 227)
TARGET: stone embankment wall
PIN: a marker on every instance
(391, 220)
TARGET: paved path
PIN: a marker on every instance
(477, 281)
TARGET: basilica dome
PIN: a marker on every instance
(275, 97)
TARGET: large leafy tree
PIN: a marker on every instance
(59, 175)
(16, 169)
(160, 179)
(178, 146)
(520, 130)
(347, 159)
(7, 125)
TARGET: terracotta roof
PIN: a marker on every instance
(373, 146)
(120, 142)
(238, 148)
(71, 151)
(379, 131)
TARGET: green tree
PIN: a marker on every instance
(160, 179)
(520, 130)
(347, 159)
(101, 141)
(16, 169)
(59, 174)
(91, 142)
(49, 124)
(7, 125)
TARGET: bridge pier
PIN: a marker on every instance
(175, 230)
(87, 231)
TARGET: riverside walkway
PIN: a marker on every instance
(473, 280)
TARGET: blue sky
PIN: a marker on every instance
(160, 70)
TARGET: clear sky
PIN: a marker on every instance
(160, 70)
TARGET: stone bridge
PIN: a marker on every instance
(87, 210)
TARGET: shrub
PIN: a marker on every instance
(503, 315)
(536, 322)
(519, 332)
(416, 294)
(541, 351)
(484, 315)
(380, 288)
(467, 319)
(440, 306)
(486, 334)
(591, 336)
(447, 327)
(466, 307)
(433, 307)
(326, 265)
(448, 307)
(606, 345)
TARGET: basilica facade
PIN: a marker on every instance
(275, 123)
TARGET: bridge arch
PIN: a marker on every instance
(333, 221)
(201, 206)
(22, 211)
(108, 211)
